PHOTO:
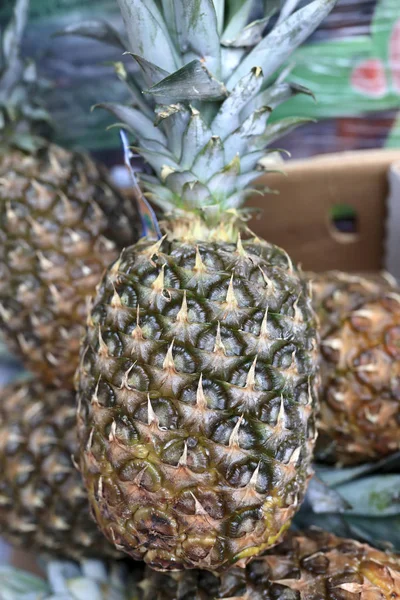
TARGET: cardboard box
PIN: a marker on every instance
(299, 218)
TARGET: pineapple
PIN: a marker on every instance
(360, 367)
(43, 504)
(311, 566)
(55, 239)
(197, 383)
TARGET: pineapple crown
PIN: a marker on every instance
(204, 69)
(22, 119)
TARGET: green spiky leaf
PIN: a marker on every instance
(27, 142)
(95, 29)
(147, 33)
(199, 33)
(151, 73)
(136, 94)
(275, 95)
(196, 194)
(239, 141)
(159, 194)
(287, 9)
(249, 162)
(225, 182)
(237, 199)
(11, 42)
(373, 498)
(194, 27)
(192, 82)
(250, 36)
(228, 117)
(246, 178)
(11, 63)
(220, 12)
(172, 18)
(210, 160)
(161, 162)
(277, 130)
(322, 499)
(176, 181)
(278, 45)
(196, 136)
(140, 125)
(174, 119)
(231, 58)
(238, 17)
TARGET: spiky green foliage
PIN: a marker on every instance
(209, 74)
(22, 118)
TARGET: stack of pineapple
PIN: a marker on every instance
(198, 374)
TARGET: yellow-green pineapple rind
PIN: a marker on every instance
(43, 504)
(197, 400)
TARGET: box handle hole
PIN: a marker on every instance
(343, 223)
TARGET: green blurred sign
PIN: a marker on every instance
(352, 76)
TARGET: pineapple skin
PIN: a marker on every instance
(197, 397)
(55, 243)
(359, 417)
(311, 566)
(43, 503)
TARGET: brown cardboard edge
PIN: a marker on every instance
(298, 217)
(339, 160)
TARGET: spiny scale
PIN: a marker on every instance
(360, 353)
(196, 419)
(43, 504)
(310, 566)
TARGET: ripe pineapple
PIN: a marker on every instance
(360, 367)
(55, 241)
(198, 372)
(311, 566)
(43, 504)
